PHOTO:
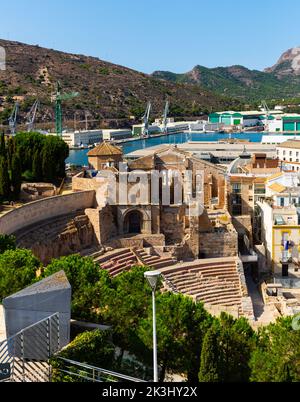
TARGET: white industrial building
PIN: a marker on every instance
(111, 134)
(82, 138)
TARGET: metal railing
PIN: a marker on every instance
(26, 354)
(86, 373)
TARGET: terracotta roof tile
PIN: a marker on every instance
(105, 149)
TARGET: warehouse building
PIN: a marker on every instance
(245, 118)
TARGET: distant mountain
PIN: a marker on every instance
(287, 65)
(279, 81)
(108, 92)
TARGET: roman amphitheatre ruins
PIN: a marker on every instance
(197, 255)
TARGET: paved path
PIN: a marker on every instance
(264, 315)
(2, 325)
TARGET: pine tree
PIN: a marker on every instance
(37, 170)
(16, 175)
(209, 367)
(4, 179)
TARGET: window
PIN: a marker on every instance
(297, 154)
(282, 202)
(283, 152)
(291, 153)
(236, 188)
(250, 188)
(291, 159)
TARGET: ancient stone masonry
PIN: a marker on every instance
(218, 243)
(59, 237)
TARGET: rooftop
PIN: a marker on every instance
(105, 149)
(290, 144)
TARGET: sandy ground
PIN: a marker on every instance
(2, 325)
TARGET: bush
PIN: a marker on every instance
(7, 242)
(93, 348)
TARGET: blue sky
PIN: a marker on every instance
(150, 35)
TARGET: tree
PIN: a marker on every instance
(10, 152)
(277, 356)
(17, 270)
(55, 151)
(88, 284)
(2, 145)
(37, 170)
(16, 175)
(52, 152)
(4, 179)
(7, 242)
(127, 301)
(181, 324)
(210, 359)
(235, 341)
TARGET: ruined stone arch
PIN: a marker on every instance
(135, 220)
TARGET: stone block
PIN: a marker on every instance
(37, 302)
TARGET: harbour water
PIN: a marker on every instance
(79, 157)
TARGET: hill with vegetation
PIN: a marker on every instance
(107, 91)
(277, 82)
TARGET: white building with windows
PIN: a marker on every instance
(289, 154)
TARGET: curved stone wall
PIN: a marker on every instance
(41, 210)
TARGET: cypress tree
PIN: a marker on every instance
(2, 145)
(4, 179)
(37, 171)
(16, 175)
(11, 148)
(48, 162)
(209, 367)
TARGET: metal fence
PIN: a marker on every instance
(79, 372)
(25, 356)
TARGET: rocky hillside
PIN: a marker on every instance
(287, 65)
(279, 81)
(108, 93)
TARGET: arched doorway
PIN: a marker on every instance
(133, 223)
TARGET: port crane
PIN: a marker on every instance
(267, 111)
(58, 98)
(145, 132)
(30, 118)
(13, 119)
(165, 117)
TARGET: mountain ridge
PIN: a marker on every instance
(279, 81)
(107, 91)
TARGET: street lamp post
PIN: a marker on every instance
(152, 277)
